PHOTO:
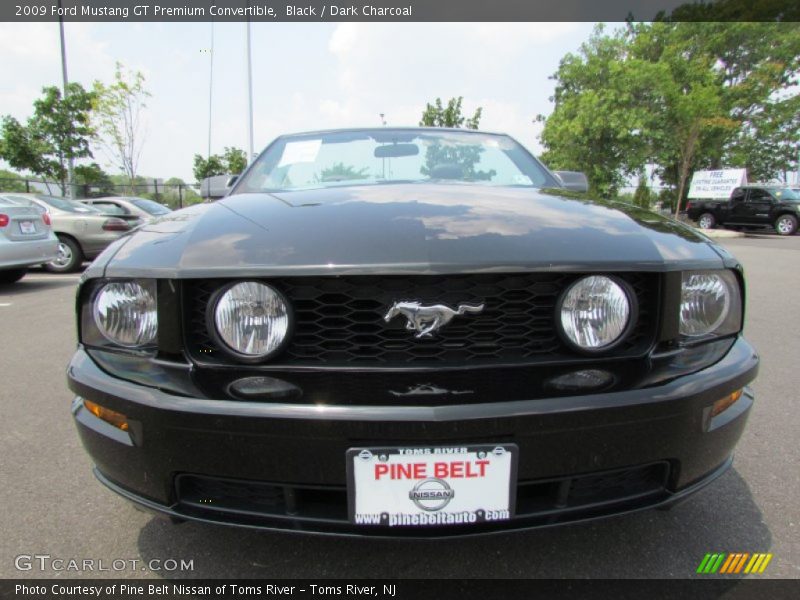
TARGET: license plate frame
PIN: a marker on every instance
(473, 497)
(27, 227)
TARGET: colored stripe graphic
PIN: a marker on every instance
(728, 564)
(767, 558)
(734, 563)
(703, 563)
(752, 563)
(741, 562)
(714, 564)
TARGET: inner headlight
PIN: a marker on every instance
(710, 303)
(251, 320)
(595, 313)
(125, 313)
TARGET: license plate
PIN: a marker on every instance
(431, 486)
(27, 227)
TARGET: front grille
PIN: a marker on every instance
(538, 502)
(340, 320)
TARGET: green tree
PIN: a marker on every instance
(760, 81)
(58, 131)
(11, 182)
(235, 159)
(682, 96)
(93, 176)
(734, 10)
(642, 197)
(178, 193)
(604, 105)
(439, 155)
(438, 115)
(117, 115)
(693, 111)
(209, 167)
(232, 161)
(730, 95)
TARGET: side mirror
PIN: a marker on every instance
(231, 180)
(215, 187)
(574, 181)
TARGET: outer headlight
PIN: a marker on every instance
(595, 313)
(125, 313)
(710, 303)
(251, 319)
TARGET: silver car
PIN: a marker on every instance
(83, 232)
(124, 206)
(26, 239)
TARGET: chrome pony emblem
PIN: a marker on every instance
(428, 389)
(427, 319)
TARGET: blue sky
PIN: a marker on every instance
(305, 76)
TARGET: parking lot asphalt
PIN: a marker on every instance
(53, 506)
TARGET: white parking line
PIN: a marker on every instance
(2, 304)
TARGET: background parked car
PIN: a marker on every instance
(750, 206)
(83, 232)
(126, 206)
(26, 239)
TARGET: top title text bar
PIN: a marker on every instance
(397, 10)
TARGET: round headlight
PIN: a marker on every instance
(705, 303)
(595, 312)
(125, 313)
(252, 320)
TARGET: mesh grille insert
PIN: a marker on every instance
(340, 320)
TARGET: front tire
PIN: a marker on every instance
(707, 221)
(786, 225)
(12, 275)
(69, 259)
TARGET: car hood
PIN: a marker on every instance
(409, 228)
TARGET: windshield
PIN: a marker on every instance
(153, 208)
(67, 205)
(372, 157)
(786, 194)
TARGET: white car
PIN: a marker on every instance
(26, 239)
(123, 206)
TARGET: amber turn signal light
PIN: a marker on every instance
(725, 403)
(116, 419)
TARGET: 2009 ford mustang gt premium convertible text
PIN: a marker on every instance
(409, 332)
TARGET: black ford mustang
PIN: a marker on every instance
(409, 332)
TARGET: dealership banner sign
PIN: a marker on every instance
(382, 10)
(716, 184)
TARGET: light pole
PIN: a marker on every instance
(250, 152)
(70, 161)
(210, 88)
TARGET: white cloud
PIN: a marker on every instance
(32, 59)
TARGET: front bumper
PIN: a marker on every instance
(282, 466)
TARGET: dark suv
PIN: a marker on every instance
(750, 206)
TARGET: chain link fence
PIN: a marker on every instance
(178, 195)
(174, 195)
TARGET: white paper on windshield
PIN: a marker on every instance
(300, 152)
